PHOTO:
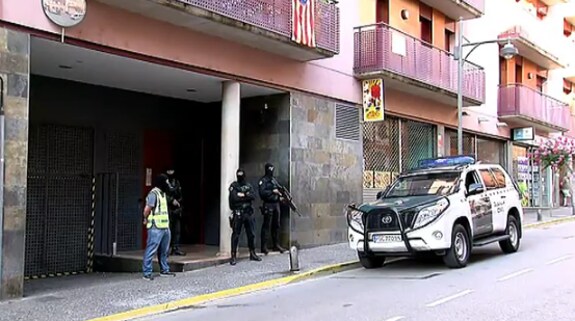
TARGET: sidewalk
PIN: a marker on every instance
(530, 214)
(84, 297)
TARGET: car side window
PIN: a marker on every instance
(488, 179)
(471, 178)
(499, 177)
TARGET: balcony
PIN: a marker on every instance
(536, 39)
(467, 9)
(554, 2)
(410, 65)
(262, 24)
(524, 106)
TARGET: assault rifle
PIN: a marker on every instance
(285, 194)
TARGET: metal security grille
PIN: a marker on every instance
(468, 143)
(392, 146)
(417, 143)
(347, 122)
(123, 156)
(59, 197)
(381, 146)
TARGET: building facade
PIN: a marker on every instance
(101, 96)
(98, 98)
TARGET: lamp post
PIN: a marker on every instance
(508, 51)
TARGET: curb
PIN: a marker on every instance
(200, 299)
(550, 222)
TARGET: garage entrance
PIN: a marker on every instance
(101, 128)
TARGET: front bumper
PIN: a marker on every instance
(433, 237)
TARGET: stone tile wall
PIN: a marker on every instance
(14, 69)
(326, 172)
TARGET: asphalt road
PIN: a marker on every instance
(536, 283)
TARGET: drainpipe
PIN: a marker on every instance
(2, 121)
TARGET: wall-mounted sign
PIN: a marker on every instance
(523, 134)
(65, 13)
(373, 100)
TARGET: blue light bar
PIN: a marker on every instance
(446, 161)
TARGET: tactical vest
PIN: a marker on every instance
(159, 217)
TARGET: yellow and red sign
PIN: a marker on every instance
(373, 100)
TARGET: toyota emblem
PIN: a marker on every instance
(386, 219)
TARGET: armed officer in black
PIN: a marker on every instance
(240, 202)
(175, 210)
(271, 197)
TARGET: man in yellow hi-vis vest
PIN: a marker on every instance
(157, 221)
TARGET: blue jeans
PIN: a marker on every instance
(158, 241)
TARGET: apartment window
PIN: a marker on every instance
(567, 28)
(426, 22)
(382, 14)
(567, 86)
(540, 83)
(449, 40)
(518, 74)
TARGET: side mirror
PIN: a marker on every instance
(379, 194)
(475, 189)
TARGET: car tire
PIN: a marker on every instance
(458, 254)
(511, 245)
(370, 261)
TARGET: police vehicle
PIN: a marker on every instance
(445, 206)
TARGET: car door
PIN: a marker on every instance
(501, 200)
(479, 206)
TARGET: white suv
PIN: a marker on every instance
(446, 206)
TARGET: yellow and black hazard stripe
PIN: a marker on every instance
(90, 266)
(52, 275)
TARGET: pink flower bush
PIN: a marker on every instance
(554, 152)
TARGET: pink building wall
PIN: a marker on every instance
(121, 30)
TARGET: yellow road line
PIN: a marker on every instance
(200, 299)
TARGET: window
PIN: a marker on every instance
(425, 184)
(488, 179)
(499, 177)
(471, 178)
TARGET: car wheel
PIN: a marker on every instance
(458, 255)
(511, 245)
(370, 261)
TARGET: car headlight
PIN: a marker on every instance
(429, 213)
(355, 220)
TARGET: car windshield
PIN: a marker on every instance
(424, 185)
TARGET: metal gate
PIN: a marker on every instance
(106, 214)
(392, 146)
(59, 200)
(123, 156)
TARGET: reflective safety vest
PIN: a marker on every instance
(159, 217)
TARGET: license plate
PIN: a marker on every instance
(386, 238)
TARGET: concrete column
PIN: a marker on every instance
(230, 157)
(509, 156)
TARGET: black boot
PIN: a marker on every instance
(254, 256)
(233, 259)
(265, 250)
(279, 248)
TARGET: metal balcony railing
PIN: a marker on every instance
(276, 16)
(520, 100)
(381, 47)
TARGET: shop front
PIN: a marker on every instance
(392, 146)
